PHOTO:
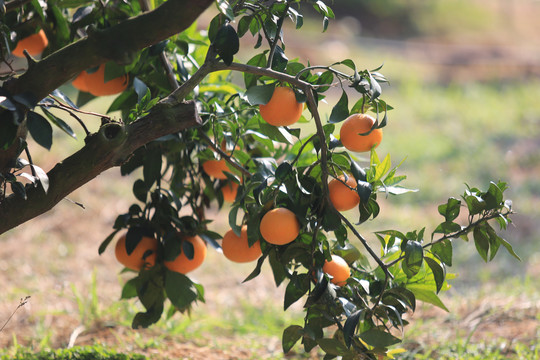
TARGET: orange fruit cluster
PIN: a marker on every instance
(236, 248)
(34, 44)
(282, 109)
(144, 255)
(95, 83)
(351, 133)
(343, 198)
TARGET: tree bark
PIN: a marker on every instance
(107, 148)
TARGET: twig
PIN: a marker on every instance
(22, 302)
(225, 156)
(274, 43)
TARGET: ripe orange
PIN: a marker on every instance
(237, 249)
(182, 263)
(338, 269)
(34, 44)
(355, 125)
(341, 196)
(79, 82)
(135, 260)
(95, 83)
(229, 191)
(282, 109)
(216, 168)
(279, 226)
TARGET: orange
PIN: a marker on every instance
(34, 44)
(282, 109)
(229, 191)
(341, 196)
(236, 248)
(279, 226)
(136, 260)
(338, 269)
(79, 82)
(353, 127)
(95, 83)
(182, 263)
(216, 168)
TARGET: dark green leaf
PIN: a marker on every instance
(438, 272)
(450, 210)
(423, 293)
(129, 290)
(152, 166)
(226, 43)
(59, 122)
(298, 286)
(179, 289)
(379, 338)
(291, 335)
(258, 60)
(340, 111)
(107, 241)
(332, 346)
(481, 241)
(40, 129)
(443, 251)
(279, 60)
(259, 95)
(140, 190)
(349, 328)
(414, 256)
(140, 88)
(18, 189)
(364, 190)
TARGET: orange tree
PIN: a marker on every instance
(183, 104)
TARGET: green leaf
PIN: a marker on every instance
(179, 289)
(152, 166)
(279, 60)
(451, 209)
(331, 219)
(107, 241)
(332, 346)
(290, 337)
(59, 123)
(151, 316)
(422, 293)
(40, 129)
(226, 43)
(443, 251)
(364, 190)
(140, 190)
(446, 227)
(261, 94)
(18, 189)
(508, 247)
(340, 111)
(414, 256)
(379, 338)
(481, 241)
(298, 286)
(349, 328)
(226, 9)
(129, 290)
(258, 60)
(438, 272)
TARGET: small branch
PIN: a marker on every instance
(22, 302)
(225, 156)
(274, 43)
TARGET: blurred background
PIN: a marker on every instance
(464, 84)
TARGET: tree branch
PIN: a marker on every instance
(109, 147)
